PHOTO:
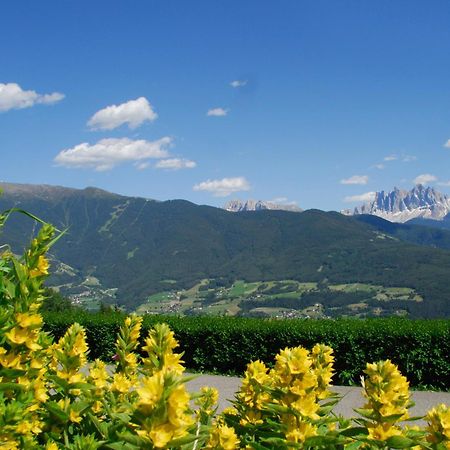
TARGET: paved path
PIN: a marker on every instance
(351, 396)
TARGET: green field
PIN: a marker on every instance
(282, 299)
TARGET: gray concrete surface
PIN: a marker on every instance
(351, 396)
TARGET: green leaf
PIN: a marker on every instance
(122, 445)
(185, 440)
(368, 413)
(353, 445)
(400, 442)
(101, 427)
(354, 431)
(54, 409)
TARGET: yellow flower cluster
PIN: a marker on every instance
(222, 437)
(387, 393)
(439, 426)
(289, 394)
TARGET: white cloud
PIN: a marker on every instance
(356, 179)
(444, 183)
(142, 165)
(217, 112)
(447, 144)
(238, 83)
(409, 158)
(12, 96)
(283, 201)
(367, 197)
(425, 179)
(223, 187)
(175, 164)
(134, 113)
(390, 158)
(379, 166)
(108, 153)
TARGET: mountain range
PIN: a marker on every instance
(402, 206)
(135, 247)
(259, 205)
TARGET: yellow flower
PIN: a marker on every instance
(178, 404)
(10, 444)
(36, 363)
(208, 399)
(387, 390)
(26, 320)
(131, 360)
(251, 417)
(51, 446)
(291, 363)
(303, 385)
(74, 416)
(306, 406)
(10, 359)
(97, 407)
(382, 431)
(438, 428)
(161, 435)
(25, 336)
(173, 363)
(300, 432)
(98, 374)
(18, 335)
(121, 383)
(223, 437)
(41, 268)
(150, 391)
(80, 346)
(230, 410)
(40, 391)
(24, 427)
(257, 371)
(322, 358)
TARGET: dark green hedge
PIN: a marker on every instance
(421, 348)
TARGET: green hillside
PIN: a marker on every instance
(131, 248)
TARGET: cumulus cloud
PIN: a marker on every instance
(133, 113)
(425, 179)
(356, 179)
(175, 164)
(447, 144)
(12, 96)
(238, 83)
(109, 153)
(217, 112)
(223, 187)
(367, 197)
(390, 158)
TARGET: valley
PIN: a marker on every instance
(282, 299)
(191, 259)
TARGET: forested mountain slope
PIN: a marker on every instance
(135, 245)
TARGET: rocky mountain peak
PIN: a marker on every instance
(401, 205)
(259, 205)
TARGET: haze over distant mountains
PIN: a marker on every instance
(135, 246)
(259, 205)
(401, 206)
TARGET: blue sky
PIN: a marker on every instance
(314, 102)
